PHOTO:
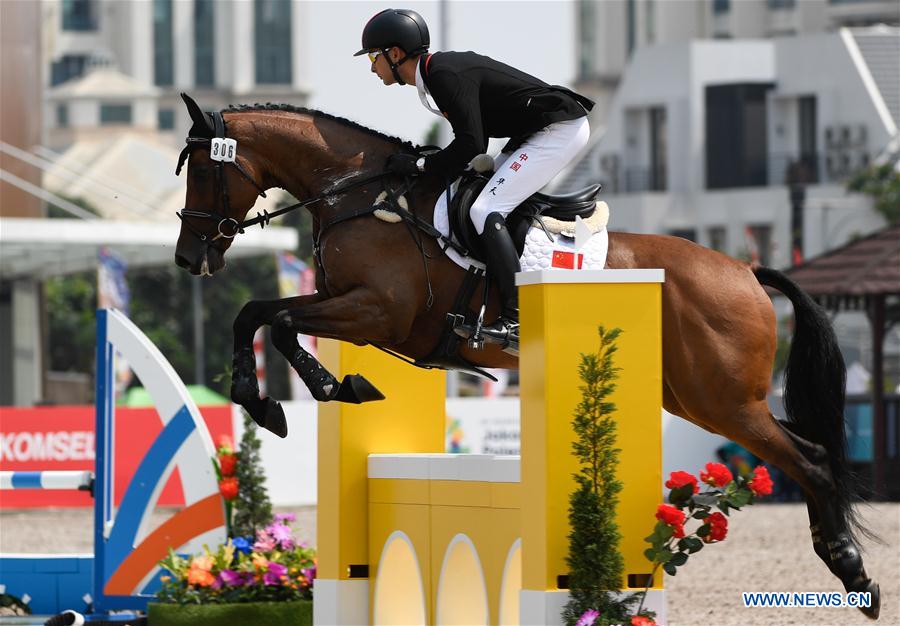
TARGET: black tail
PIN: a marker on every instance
(814, 386)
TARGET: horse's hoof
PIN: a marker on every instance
(356, 390)
(256, 409)
(874, 591)
(274, 420)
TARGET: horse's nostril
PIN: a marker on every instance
(181, 261)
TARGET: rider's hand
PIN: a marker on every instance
(403, 164)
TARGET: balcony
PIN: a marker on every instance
(834, 166)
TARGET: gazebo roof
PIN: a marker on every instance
(847, 276)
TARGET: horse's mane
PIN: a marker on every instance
(269, 106)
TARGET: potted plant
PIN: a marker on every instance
(266, 581)
(262, 575)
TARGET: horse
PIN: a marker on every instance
(382, 284)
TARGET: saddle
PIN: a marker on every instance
(564, 208)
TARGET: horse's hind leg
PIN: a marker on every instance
(832, 541)
(808, 464)
(818, 455)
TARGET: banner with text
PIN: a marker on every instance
(62, 438)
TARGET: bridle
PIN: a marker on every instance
(223, 150)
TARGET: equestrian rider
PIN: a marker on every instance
(481, 98)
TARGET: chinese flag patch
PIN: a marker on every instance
(566, 260)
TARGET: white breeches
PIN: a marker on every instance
(525, 171)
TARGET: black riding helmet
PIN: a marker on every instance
(403, 28)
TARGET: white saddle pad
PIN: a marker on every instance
(542, 250)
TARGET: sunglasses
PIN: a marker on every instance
(373, 56)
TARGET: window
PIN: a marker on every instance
(759, 243)
(204, 43)
(650, 22)
(79, 15)
(717, 238)
(658, 149)
(66, 68)
(62, 115)
(163, 62)
(587, 28)
(736, 149)
(272, 30)
(115, 114)
(165, 119)
(721, 6)
(685, 233)
(632, 26)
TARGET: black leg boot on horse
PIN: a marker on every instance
(503, 263)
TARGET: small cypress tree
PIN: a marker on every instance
(253, 509)
(595, 563)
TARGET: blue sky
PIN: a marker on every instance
(535, 36)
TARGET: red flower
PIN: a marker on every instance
(642, 620)
(678, 531)
(227, 463)
(761, 483)
(680, 479)
(718, 527)
(228, 487)
(225, 444)
(670, 515)
(716, 475)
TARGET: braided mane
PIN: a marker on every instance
(269, 106)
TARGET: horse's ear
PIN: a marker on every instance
(203, 124)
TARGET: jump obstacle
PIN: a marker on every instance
(122, 574)
(409, 535)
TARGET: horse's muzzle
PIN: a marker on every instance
(208, 262)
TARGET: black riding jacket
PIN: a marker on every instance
(484, 98)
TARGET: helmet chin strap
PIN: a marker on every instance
(394, 67)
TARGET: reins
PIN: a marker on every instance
(223, 150)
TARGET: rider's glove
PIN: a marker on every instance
(403, 164)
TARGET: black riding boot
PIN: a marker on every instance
(503, 263)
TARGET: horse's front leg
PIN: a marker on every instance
(244, 386)
(359, 316)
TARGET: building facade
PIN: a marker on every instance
(706, 104)
(706, 139)
(609, 32)
(220, 52)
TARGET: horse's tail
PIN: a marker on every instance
(814, 386)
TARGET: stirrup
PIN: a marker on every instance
(472, 334)
(504, 332)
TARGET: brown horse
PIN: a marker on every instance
(718, 322)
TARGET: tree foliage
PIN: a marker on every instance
(253, 509)
(882, 184)
(161, 308)
(595, 564)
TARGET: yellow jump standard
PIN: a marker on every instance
(410, 535)
(560, 313)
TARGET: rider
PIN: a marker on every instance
(481, 98)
